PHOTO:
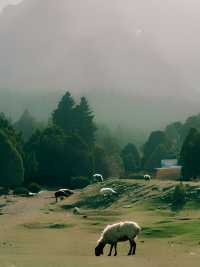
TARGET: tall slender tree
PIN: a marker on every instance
(189, 156)
(64, 115)
(85, 125)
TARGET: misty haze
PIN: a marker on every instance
(99, 133)
(136, 61)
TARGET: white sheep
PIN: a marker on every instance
(118, 232)
(76, 211)
(147, 177)
(107, 191)
(97, 177)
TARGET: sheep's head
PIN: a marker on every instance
(99, 249)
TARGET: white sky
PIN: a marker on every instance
(4, 3)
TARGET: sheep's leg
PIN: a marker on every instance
(134, 247)
(131, 247)
(115, 245)
(111, 248)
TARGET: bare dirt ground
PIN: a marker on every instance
(30, 237)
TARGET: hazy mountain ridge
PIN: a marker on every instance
(106, 50)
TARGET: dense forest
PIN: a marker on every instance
(71, 147)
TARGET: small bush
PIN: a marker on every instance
(34, 188)
(4, 191)
(179, 197)
(21, 191)
(79, 182)
(135, 176)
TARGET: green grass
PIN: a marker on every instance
(167, 229)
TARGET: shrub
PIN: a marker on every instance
(4, 191)
(135, 176)
(79, 182)
(12, 170)
(179, 197)
(21, 191)
(34, 188)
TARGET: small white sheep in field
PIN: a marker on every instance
(107, 191)
(147, 177)
(112, 234)
(76, 211)
(97, 177)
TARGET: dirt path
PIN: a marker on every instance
(74, 247)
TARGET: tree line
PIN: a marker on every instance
(71, 147)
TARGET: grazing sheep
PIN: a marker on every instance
(147, 177)
(97, 177)
(76, 211)
(63, 193)
(123, 231)
(107, 191)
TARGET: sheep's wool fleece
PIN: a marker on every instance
(115, 232)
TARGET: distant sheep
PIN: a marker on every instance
(63, 193)
(147, 177)
(97, 177)
(107, 191)
(112, 234)
(76, 211)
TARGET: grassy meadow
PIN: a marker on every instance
(36, 231)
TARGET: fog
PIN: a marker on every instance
(137, 61)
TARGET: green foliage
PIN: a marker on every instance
(59, 156)
(155, 139)
(77, 119)
(189, 156)
(21, 191)
(179, 197)
(131, 158)
(26, 125)
(101, 163)
(79, 182)
(191, 122)
(4, 191)
(112, 151)
(31, 166)
(7, 128)
(154, 161)
(158, 147)
(11, 164)
(84, 122)
(64, 115)
(34, 187)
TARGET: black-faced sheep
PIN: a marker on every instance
(112, 234)
(63, 193)
(147, 177)
(97, 177)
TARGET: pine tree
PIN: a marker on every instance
(189, 156)
(64, 115)
(11, 164)
(131, 158)
(85, 125)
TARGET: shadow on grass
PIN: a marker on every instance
(47, 225)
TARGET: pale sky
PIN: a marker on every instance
(4, 3)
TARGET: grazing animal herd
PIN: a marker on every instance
(112, 234)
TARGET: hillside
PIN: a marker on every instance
(36, 231)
